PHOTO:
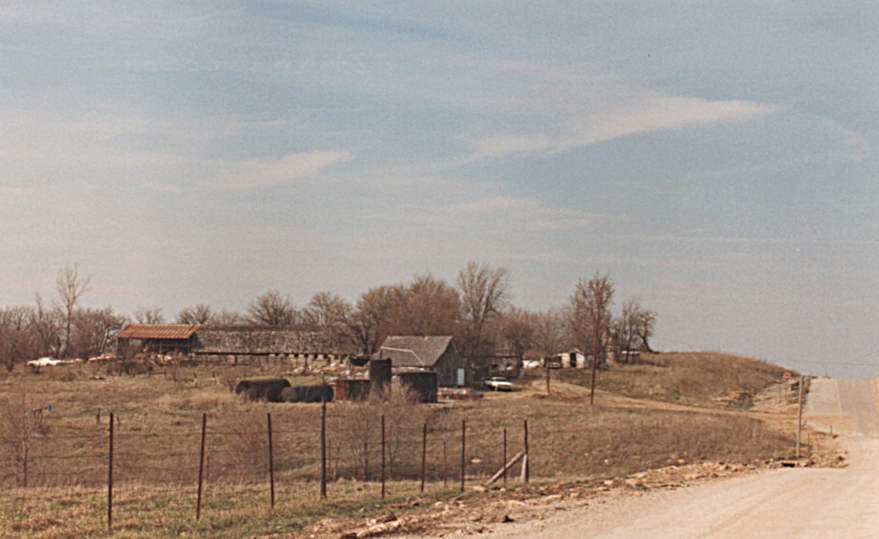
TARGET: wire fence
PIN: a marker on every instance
(317, 445)
(314, 446)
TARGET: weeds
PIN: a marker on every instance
(158, 442)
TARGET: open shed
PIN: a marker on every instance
(158, 338)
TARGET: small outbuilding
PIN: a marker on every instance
(430, 353)
(573, 359)
(157, 338)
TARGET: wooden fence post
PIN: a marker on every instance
(271, 462)
(445, 468)
(463, 451)
(366, 458)
(323, 450)
(110, 479)
(423, 455)
(204, 426)
(527, 462)
(383, 456)
(505, 455)
(800, 415)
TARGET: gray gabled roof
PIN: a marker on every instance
(415, 351)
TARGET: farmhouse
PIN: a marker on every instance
(434, 353)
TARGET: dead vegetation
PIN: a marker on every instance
(694, 378)
(158, 434)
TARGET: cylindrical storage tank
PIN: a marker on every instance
(269, 389)
(341, 390)
(379, 374)
(352, 390)
(423, 383)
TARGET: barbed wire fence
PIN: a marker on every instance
(387, 448)
(311, 447)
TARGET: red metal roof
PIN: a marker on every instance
(158, 331)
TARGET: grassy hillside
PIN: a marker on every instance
(693, 378)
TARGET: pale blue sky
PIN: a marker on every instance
(717, 159)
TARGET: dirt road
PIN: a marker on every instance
(783, 503)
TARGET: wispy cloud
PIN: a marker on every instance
(655, 113)
(495, 204)
(530, 214)
(856, 147)
(263, 172)
(648, 113)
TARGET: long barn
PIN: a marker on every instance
(210, 342)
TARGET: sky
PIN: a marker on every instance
(716, 159)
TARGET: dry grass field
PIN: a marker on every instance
(693, 378)
(158, 435)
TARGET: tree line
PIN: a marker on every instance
(477, 309)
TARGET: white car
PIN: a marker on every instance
(499, 383)
(43, 362)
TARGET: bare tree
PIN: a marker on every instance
(645, 326)
(590, 317)
(431, 307)
(426, 306)
(20, 426)
(48, 328)
(227, 318)
(484, 293)
(149, 315)
(326, 310)
(518, 328)
(380, 311)
(197, 314)
(551, 335)
(330, 314)
(95, 330)
(70, 286)
(272, 309)
(16, 337)
(625, 326)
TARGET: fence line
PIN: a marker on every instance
(307, 444)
